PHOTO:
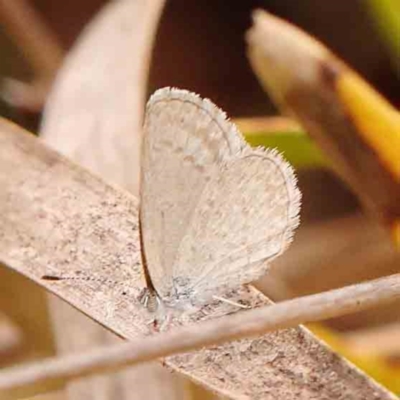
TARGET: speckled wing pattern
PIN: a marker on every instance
(213, 211)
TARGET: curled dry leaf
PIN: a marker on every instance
(354, 125)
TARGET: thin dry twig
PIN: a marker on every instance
(247, 323)
(56, 216)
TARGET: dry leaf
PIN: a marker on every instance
(352, 123)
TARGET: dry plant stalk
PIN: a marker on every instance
(56, 216)
(354, 125)
(195, 336)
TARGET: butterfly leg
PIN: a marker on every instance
(149, 299)
(153, 303)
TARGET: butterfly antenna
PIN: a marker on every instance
(78, 277)
(52, 278)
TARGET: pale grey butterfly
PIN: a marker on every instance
(214, 212)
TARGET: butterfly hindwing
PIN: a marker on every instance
(245, 218)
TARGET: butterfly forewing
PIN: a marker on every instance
(185, 140)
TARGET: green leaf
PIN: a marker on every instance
(296, 147)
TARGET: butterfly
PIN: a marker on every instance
(214, 212)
